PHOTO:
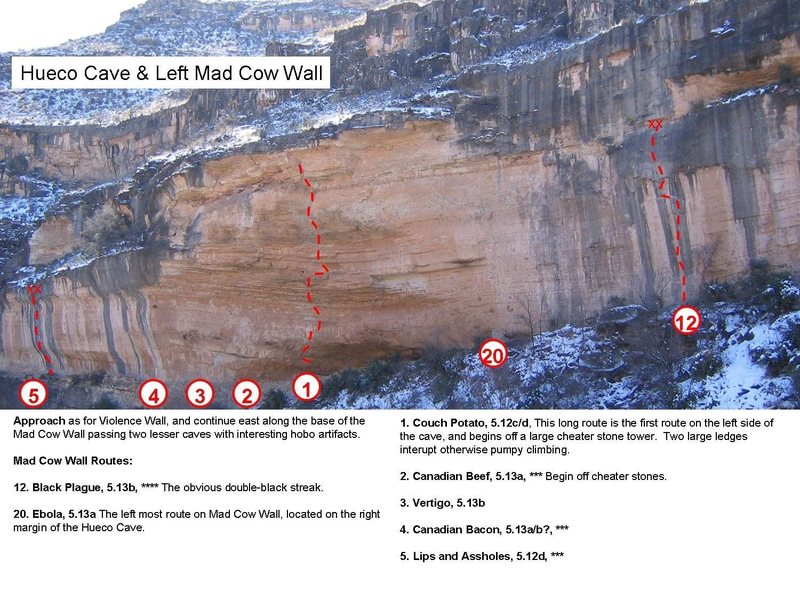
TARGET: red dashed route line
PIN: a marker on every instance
(37, 328)
(656, 125)
(322, 270)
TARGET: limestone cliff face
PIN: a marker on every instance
(93, 154)
(439, 251)
(138, 125)
(401, 44)
(538, 190)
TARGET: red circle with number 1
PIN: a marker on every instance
(33, 393)
(493, 353)
(246, 393)
(307, 387)
(153, 393)
(686, 320)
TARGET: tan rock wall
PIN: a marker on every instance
(55, 238)
(428, 243)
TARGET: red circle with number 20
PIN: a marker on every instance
(493, 353)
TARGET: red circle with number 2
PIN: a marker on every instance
(246, 393)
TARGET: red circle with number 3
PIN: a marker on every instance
(153, 393)
(33, 393)
(200, 393)
(686, 320)
(246, 393)
(493, 353)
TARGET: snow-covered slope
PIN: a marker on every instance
(744, 357)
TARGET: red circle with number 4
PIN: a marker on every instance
(686, 320)
(153, 393)
(200, 393)
(493, 353)
(307, 387)
(246, 393)
(33, 393)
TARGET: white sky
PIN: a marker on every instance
(29, 24)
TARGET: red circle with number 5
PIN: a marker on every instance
(246, 393)
(686, 320)
(200, 393)
(153, 393)
(33, 393)
(493, 353)
(307, 387)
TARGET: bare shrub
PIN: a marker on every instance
(106, 226)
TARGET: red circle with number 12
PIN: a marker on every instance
(686, 320)
(493, 353)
